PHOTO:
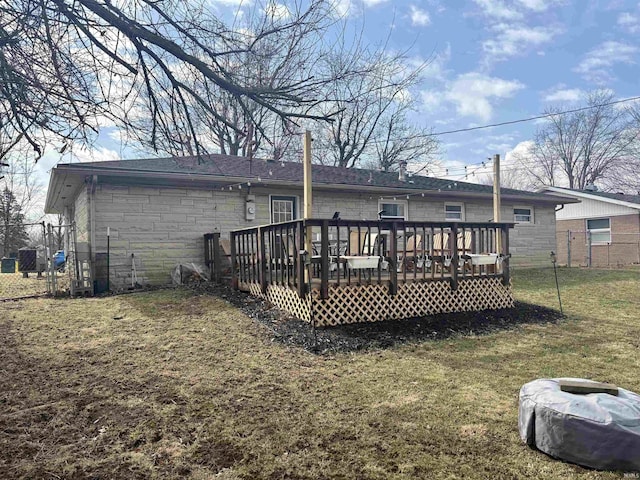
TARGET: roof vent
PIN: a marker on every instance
(591, 188)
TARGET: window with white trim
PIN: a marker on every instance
(394, 209)
(283, 208)
(600, 229)
(454, 212)
(523, 214)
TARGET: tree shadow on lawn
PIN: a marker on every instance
(384, 334)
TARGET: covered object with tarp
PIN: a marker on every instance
(596, 430)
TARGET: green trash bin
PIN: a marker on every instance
(8, 265)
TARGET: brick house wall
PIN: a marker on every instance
(164, 226)
(624, 248)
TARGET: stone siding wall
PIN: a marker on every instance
(162, 227)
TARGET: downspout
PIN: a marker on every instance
(561, 207)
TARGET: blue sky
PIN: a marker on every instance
(491, 61)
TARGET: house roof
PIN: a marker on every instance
(226, 169)
(631, 201)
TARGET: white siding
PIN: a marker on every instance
(589, 208)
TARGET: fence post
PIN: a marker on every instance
(568, 248)
(52, 268)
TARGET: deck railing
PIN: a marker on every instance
(302, 254)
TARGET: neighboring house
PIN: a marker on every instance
(159, 209)
(603, 229)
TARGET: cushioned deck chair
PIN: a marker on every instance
(412, 255)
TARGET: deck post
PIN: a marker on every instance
(393, 259)
(505, 251)
(262, 256)
(302, 273)
(454, 256)
(324, 260)
(234, 271)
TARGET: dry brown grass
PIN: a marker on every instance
(13, 285)
(171, 385)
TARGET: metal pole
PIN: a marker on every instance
(555, 272)
(52, 268)
(108, 255)
(589, 248)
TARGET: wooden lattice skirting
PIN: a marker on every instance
(371, 303)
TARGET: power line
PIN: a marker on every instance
(500, 124)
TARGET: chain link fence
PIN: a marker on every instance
(586, 249)
(32, 260)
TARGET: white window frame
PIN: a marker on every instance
(598, 230)
(531, 218)
(454, 204)
(296, 203)
(405, 203)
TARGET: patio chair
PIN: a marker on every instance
(441, 253)
(412, 256)
(283, 255)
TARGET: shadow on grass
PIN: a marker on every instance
(384, 334)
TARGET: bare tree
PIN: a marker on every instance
(68, 67)
(581, 148)
(371, 124)
(20, 178)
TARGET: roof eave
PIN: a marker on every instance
(183, 179)
(570, 193)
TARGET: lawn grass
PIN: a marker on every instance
(171, 384)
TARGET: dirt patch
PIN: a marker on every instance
(289, 330)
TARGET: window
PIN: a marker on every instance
(454, 212)
(283, 208)
(600, 229)
(523, 214)
(393, 209)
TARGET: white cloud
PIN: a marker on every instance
(419, 17)
(498, 9)
(231, 2)
(629, 22)
(372, 3)
(472, 92)
(436, 70)
(343, 8)
(512, 40)
(597, 64)
(539, 5)
(569, 95)
(94, 154)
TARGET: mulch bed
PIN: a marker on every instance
(289, 330)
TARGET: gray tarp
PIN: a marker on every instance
(596, 430)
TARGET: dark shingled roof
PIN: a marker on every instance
(218, 166)
(615, 196)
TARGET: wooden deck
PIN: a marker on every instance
(331, 272)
